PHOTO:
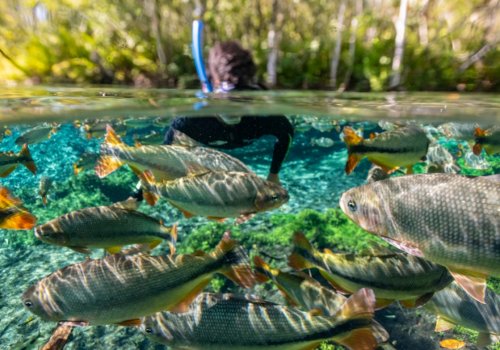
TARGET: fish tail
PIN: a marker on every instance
(76, 169)
(235, 261)
(301, 249)
(351, 139)
(147, 179)
(28, 162)
(361, 307)
(478, 147)
(263, 272)
(109, 163)
(15, 218)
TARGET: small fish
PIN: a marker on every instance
(108, 227)
(120, 289)
(455, 307)
(86, 162)
(37, 135)
(448, 219)
(44, 187)
(166, 162)
(217, 195)
(97, 128)
(392, 276)
(9, 161)
(302, 291)
(231, 322)
(488, 139)
(153, 138)
(402, 147)
(12, 214)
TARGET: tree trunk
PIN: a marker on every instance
(399, 51)
(338, 44)
(273, 40)
(154, 14)
(352, 42)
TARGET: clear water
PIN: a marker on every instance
(313, 173)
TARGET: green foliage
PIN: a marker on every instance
(148, 43)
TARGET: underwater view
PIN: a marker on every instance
(360, 221)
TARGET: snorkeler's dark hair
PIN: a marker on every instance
(231, 63)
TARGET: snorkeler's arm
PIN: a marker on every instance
(283, 130)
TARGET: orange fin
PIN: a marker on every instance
(130, 323)
(215, 218)
(360, 304)
(28, 163)
(262, 270)
(106, 165)
(451, 344)
(352, 162)
(477, 148)
(21, 220)
(183, 305)
(475, 286)
(114, 249)
(350, 137)
(442, 325)
(383, 303)
(478, 132)
(235, 260)
(112, 138)
(76, 169)
(150, 197)
(359, 339)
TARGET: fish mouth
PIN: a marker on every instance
(37, 232)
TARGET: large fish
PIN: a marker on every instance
(37, 135)
(390, 150)
(231, 322)
(302, 291)
(166, 162)
(12, 215)
(108, 227)
(392, 276)
(218, 195)
(122, 288)
(446, 218)
(455, 307)
(9, 161)
(488, 139)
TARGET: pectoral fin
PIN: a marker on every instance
(443, 325)
(183, 305)
(475, 286)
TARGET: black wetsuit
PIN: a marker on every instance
(213, 132)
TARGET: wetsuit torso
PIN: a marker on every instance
(213, 132)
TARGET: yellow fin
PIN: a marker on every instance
(443, 325)
(350, 136)
(114, 250)
(475, 286)
(451, 344)
(130, 323)
(360, 304)
(316, 312)
(107, 165)
(359, 339)
(28, 163)
(262, 270)
(352, 162)
(111, 137)
(155, 243)
(21, 220)
(383, 303)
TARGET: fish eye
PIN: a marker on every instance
(148, 330)
(275, 198)
(28, 303)
(352, 205)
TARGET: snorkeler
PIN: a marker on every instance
(232, 69)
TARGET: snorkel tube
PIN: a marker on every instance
(197, 46)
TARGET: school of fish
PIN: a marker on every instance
(444, 229)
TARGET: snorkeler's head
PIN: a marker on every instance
(230, 64)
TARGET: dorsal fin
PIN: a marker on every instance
(181, 139)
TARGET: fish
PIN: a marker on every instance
(488, 139)
(9, 161)
(390, 150)
(458, 131)
(138, 123)
(120, 289)
(304, 292)
(166, 162)
(86, 162)
(448, 219)
(453, 306)
(44, 187)
(107, 227)
(37, 135)
(97, 128)
(13, 216)
(216, 194)
(392, 276)
(322, 142)
(234, 322)
(153, 138)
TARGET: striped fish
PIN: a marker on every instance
(122, 288)
(230, 322)
(392, 276)
(302, 291)
(402, 147)
(9, 161)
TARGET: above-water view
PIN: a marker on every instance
(155, 219)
